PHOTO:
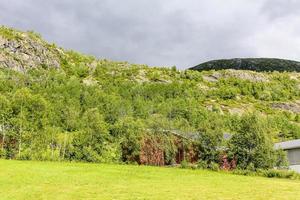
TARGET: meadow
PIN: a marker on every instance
(54, 180)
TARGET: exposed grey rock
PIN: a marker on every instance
(245, 75)
(292, 107)
(236, 111)
(2, 59)
(2, 41)
(27, 52)
(210, 78)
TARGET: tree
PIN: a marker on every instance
(28, 120)
(251, 144)
(89, 143)
(130, 133)
(5, 111)
(210, 137)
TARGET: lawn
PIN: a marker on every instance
(52, 180)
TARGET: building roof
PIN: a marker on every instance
(292, 144)
(192, 135)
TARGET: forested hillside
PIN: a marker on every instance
(254, 64)
(62, 105)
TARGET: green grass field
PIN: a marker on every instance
(52, 180)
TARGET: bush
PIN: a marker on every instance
(202, 164)
(25, 154)
(184, 164)
(2, 153)
(281, 160)
(270, 173)
(46, 155)
(274, 173)
(243, 172)
(251, 167)
(214, 166)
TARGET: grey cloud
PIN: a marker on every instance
(157, 32)
(276, 9)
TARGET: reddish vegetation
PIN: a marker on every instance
(152, 152)
(225, 164)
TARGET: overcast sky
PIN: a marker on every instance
(163, 32)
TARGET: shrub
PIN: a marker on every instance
(202, 164)
(270, 173)
(275, 173)
(243, 172)
(281, 160)
(25, 154)
(2, 153)
(214, 166)
(184, 164)
(251, 167)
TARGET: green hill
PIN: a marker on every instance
(253, 64)
(61, 105)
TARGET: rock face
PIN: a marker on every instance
(292, 107)
(27, 50)
(245, 75)
(254, 64)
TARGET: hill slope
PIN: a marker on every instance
(62, 105)
(254, 64)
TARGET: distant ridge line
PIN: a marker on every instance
(253, 64)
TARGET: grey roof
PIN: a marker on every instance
(293, 144)
(193, 135)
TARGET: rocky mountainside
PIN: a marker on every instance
(20, 50)
(254, 64)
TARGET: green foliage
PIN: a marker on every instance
(209, 138)
(281, 160)
(270, 173)
(90, 143)
(184, 164)
(202, 164)
(130, 133)
(273, 173)
(9, 33)
(251, 145)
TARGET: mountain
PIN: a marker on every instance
(253, 64)
(57, 104)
